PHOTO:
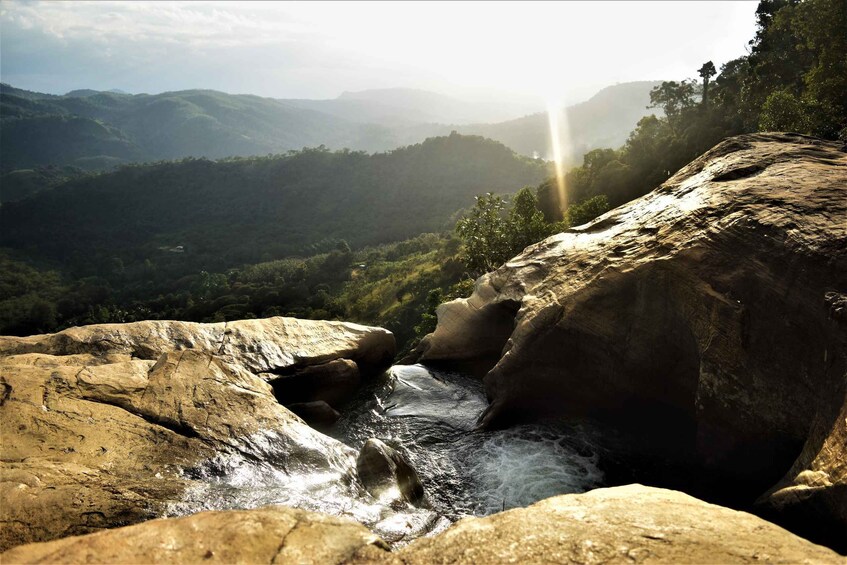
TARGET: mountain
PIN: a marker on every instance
(98, 130)
(200, 214)
(108, 127)
(604, 120)
(405, 106)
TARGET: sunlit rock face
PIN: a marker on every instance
(706, 317)
(108, 425)
(265, 535)
(631, 524)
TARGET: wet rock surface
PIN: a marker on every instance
(103, 425)
(705, 317)
(387, 475)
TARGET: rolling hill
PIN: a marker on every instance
(201, 214)
(97, 130)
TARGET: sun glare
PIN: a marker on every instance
(558, 142)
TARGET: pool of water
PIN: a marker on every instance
(430, 417)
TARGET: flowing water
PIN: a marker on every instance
(430, 417)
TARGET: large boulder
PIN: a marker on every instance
(109, 425)
(264, 535)
(271, 345)
(707, 317)
(631, 524)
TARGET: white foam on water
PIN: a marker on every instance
(524, 464)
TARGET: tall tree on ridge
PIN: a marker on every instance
(707, 71)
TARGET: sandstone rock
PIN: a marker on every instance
(387, 475)
(260, 346)
(631, 524)
(101, 423)
(706, 317)
(265, 535)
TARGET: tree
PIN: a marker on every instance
(484, 235)
(706, 72)
(797, 68)
(526, 224)
(672, 97)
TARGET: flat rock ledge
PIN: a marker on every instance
(100, 423)
(707, 318)
(631, 524)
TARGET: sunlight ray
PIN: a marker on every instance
(559, 139)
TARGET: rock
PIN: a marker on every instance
(629, 524)
(615, 525)
(317, 414)
(105, 426)
(387, 475)
(706, 317)
(265, 535)
(269, 345)
(815, 485)
(334, 383)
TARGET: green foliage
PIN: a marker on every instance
(20, 184)
(587, 210)
(782, 111)
(490, 235)
(526, 224)
(798, 67)
(674, 98)
(485, 235)
(248, 211)
(385, 285)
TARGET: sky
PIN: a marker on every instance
(523, 52)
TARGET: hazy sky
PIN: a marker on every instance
(475, 50)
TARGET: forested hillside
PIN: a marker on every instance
(99, 130)
(201, 214)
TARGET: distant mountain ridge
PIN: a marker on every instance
(404, 106)
(95, 130)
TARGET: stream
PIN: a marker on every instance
(430, 417)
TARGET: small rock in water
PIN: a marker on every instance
(387, 475)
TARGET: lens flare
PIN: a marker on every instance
(559, 135)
